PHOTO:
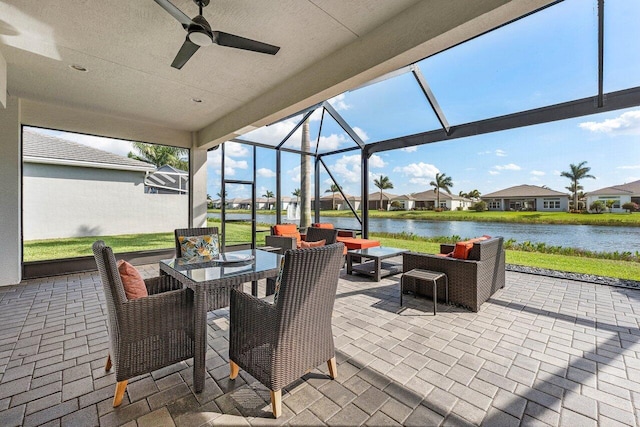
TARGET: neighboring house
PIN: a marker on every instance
(167, 180)
(72, 190)
(527, 198)
(328, 202)
(620, 194)
(428, 199)
(387, 198)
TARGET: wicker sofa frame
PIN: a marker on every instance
(278, 343)
(471, 281)
(314, 234)
(147, 333)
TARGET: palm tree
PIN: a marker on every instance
(160, 155)
(383, 183)
(296, 193)
(473, 194)
(577, 172)
(333, 190)
(443, 182)
(305, 177)
(268, 194)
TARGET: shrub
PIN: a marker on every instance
(631, 207)
(459, 208)
(480, 206)
(598, 206)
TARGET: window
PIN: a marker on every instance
(551, 204)
(494, 204)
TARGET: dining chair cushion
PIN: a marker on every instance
(132, 281)
(204, 245)
(307, 245)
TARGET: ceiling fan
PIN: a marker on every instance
(199, 34)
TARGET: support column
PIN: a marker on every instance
(198, 186)
(10, 193)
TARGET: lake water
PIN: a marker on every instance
(588, 237)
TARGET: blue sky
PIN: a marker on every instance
(546, 58)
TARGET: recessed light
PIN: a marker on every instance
(198, 100)
(78, 68)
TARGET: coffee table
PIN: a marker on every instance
(211, 283)
(374, 268)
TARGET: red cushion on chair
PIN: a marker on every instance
(287, 230)
(307, 245)
(132, 281)
(462, 249)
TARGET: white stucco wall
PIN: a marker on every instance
(623, 199)
(62, 201)
(10, 245)
(564, 204)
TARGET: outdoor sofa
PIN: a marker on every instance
(471, 281)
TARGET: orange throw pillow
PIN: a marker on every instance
(287, 230)
(132, 281)
(462, 249)
(323, 225)
(307, 245)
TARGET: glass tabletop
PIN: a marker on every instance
(378, 251)
(203, 269)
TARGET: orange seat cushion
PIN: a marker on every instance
(287, 230)
(354, 243)
(132, 281)
(307, 245)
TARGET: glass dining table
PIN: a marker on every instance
(211, 280)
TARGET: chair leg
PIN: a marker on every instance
(107, 366)
(121, 386)
(276, 403)
(234, 370)
(333, 369)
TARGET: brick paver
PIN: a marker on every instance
(542, 351)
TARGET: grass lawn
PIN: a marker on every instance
(614, 219)
(66, 248)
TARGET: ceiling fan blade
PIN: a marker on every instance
(231, 40)
(184, 54)
(175, 12)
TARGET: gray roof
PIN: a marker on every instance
(431, 195)
(523, 191)
(631, 188)
(385, 196)
(45, 148)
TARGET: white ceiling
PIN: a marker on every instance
(128, 47)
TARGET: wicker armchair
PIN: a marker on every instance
(192, 232)
(314, 234)
(471, 281)
(279, 343)
(147, 333)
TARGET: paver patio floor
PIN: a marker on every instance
(541, 351)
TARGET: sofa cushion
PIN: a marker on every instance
(462, 249)
(132, 281)
(308, 245)
(287, 230)
(323, 225)
(354, 243)
(193, 246)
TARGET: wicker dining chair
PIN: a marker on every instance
(191, 232)
(146, 333)
(278, 343)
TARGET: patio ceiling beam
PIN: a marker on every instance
(340, 190)
(342, 150)
(600, 53)
(271, 147)
(343, 124)
(582, 107)
(430, 97)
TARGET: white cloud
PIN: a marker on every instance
(234, 149)
(333, 141)
(628, 123)
(361, 133)
(629, 167)
(418, 170)
(265, 173)
(534, 179)
(508, 167)
(423, 182)
(410, 149)
(348, 168)
(339, 103)
(538, 173)
(480, 153)
(557, 173)
(275, 133)
(375, 161)
(494, 173)
(230, 164)
(500, 153)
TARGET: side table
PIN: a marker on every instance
(427, 275)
